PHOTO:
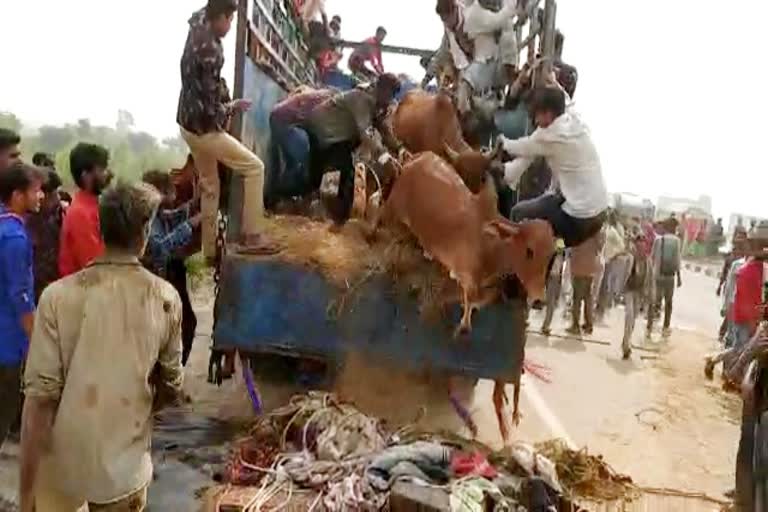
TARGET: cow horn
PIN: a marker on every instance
(450, 153)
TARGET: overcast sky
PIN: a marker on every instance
(673, 90)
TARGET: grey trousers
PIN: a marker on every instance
(632, 299)
(582, 294)
(665, 290)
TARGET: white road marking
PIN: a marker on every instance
(556, 428)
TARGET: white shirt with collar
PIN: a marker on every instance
(482, 24)
(567, 146)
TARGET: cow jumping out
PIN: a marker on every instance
(476, 245)
(458, 229)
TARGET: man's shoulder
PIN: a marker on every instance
(162, 289)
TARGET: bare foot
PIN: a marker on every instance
(258, 245)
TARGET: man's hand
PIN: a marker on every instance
(242, 105)
(499, 147)
(196, 220)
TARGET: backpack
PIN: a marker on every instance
(670, 263)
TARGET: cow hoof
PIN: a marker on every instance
(461, 332)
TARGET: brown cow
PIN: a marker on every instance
(425, 122)
(457, 228)
(475, 244)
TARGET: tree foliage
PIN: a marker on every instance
(131, 152)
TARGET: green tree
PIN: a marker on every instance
(10, 122)
(131, 152)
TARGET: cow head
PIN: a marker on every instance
(472, 165)
(523, 249)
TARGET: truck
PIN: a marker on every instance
(266, 307)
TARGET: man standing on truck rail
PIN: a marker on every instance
(105, 354)
(490, 25)
(577, 211)
(338, 126)
(368, 51)
(80, 236)
(203, 118)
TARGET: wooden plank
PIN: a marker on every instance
(408, 497)
(402, 50)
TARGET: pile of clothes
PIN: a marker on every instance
(347, 460)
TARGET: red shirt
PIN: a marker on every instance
(80, 234)
(749, 293)
(370, 51)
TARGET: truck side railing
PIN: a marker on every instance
(275, 41)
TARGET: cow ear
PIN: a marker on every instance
(506, 229)
(450, 153)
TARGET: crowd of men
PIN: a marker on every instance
(743, 288)
(629, 261)
(74, 277)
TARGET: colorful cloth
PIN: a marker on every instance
(170, 232)
(81, 241)
(297, 108)
(16, 287)
(201, 109)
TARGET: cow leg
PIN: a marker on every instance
(516, 415)
(499, 399)
(465, 327)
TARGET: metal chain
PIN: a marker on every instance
(221, 249)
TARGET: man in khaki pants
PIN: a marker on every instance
(203, 115)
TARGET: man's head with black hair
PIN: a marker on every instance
(162, 182)
(41, 159)
(21, 188)
(51, 185)
(9, 148)
(89, 164)
(220, 15)
(546, 105)
(381, 33)
(125, 215)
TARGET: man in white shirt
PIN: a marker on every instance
(577, 210)
(490, 25)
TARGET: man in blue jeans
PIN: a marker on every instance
(289, 172)
(577, 210)
(20, 194)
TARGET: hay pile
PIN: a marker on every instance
(347, 260)
(585, 475)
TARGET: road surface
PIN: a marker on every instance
(654, 417)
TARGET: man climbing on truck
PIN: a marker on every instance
(577, 210)
(203, 118)
(369, 51)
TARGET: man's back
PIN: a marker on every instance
(666, 255)
(98, 338)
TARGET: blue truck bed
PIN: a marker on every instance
(268, 306)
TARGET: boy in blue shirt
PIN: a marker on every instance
(20, 194)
